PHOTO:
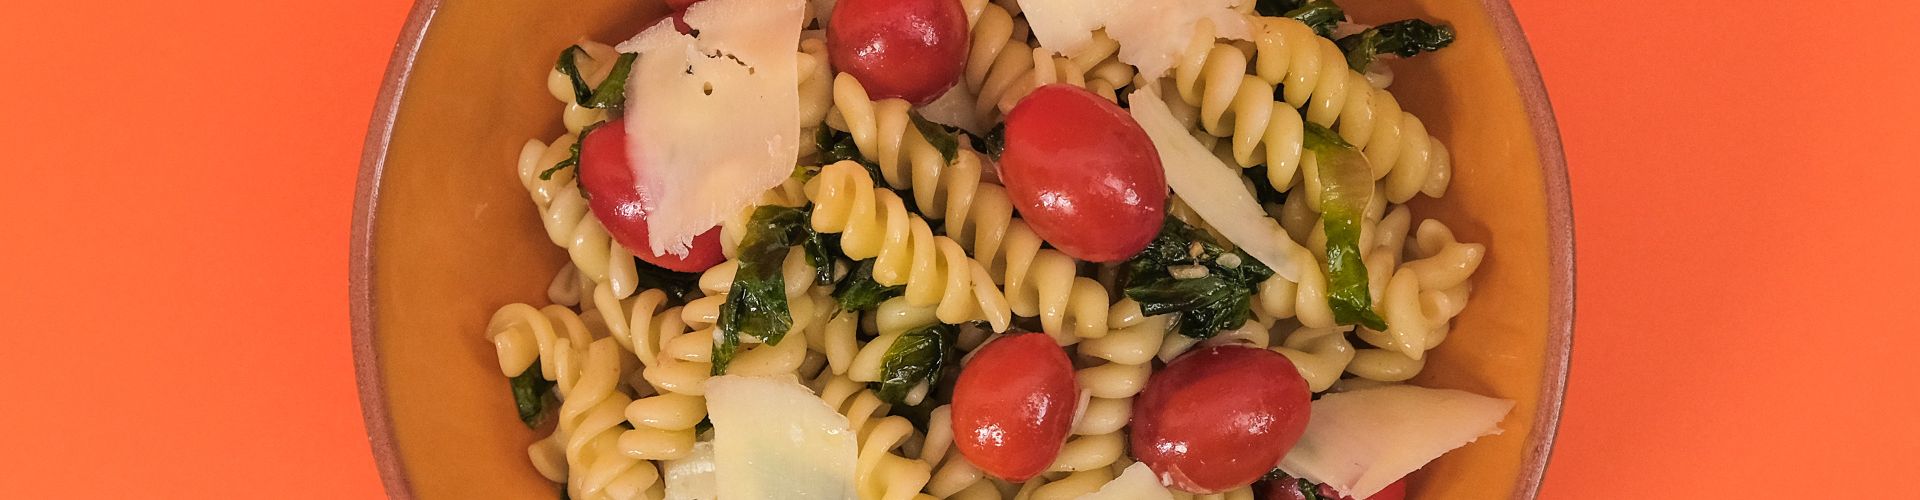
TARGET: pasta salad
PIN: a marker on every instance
(973, 249)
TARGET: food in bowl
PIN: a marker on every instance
(968, 249)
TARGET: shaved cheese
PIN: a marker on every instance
(1135, 483)
(772, 438)
(1359, 442)
(712, 121)
(956, 109)
(1214, 190)
(691, 477)
(1152, 33)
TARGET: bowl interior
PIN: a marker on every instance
(446, 235)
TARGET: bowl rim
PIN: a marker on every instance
(1520, 63)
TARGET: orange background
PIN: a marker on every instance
(173, 249)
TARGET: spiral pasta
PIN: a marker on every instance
(879, 472)
(953, 476)
(874, 223)
(1116, 367)
(978, 215)
(587, 366)
(1311, 74)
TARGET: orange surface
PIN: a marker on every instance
(173, 254)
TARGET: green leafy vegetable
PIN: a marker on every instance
(995, 142)
(916, 356)
(1184, 271)
(859, 292)
(530, 394)
(676, 284)
(836, 146)
(937, 135)
(1346, 186)
(757, 302)
(612, 91)
(1322, 15)
(1262, 189)
(573, 154)
(1404, 38)
(1274, 8)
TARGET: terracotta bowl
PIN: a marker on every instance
(443, 234)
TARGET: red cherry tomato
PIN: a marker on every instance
(1220, 417)
(615, 199)
(1083, 174)
(1288, 488)
(910, 49)
(1013, 405)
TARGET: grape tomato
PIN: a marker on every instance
(1083, 174)
(1220, 417)
(616, 201)
(1013, 405)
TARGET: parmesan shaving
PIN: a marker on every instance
(1359, 442)
(1152, 33)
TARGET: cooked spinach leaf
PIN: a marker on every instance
(1322, 15)
(995, 142)
(916, 356)
(676, 284)
(612, 91)
(531, 394)
(1184, 271)
(1346, 186)
(836, 146)
(1404, 38)
(573, 155)
(1274, 8)
(941, 137)
(757, 302)
(859, 292)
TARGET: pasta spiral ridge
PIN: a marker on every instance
(1234, 89)
(1002, 67)
(569, 223)
(874, 223)
(879, 472)
(953, 476)
(587, 367)
(977, 214)
(1115, 368)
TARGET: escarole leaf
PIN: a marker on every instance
(1183, 271)
(757, 302)
(859, 292)
(530, 394)
(1403, 38)
(612, 91)
(1346, 186)
(939, 136)
(917, 356)
(1322, 15)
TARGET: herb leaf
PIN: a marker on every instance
(995, 142)
(1322, 15)
(1346, 186)
(573, 154)
(1404, 38)
(612, 91)
(676, 284)
(530, 394)
(1219, 300)
(1273, 8)
(836, 146)
(937, 135)
(859, 292)
(916, 356)
(757, 302)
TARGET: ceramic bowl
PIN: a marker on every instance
(443, 234)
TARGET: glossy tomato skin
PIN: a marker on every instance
(1220, 417)
(615, 200)
(1083, 174)
(1013, 405)
(910, 49)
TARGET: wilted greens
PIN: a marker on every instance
(1403, 38)
(916, 357)
(757, 302)
(1184, 271)
(1346, 186)
(531, 394)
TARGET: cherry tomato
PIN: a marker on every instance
(910, 49)
(615, 199)
(1083, 174)
(1288, 488)
(1013, 405)
(1220, 417)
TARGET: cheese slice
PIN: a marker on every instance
(1215, 190)
(1359, 442)
(1152, 33)
(712, 121)
(691, 477)
(773, 438)
(1135, 483)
